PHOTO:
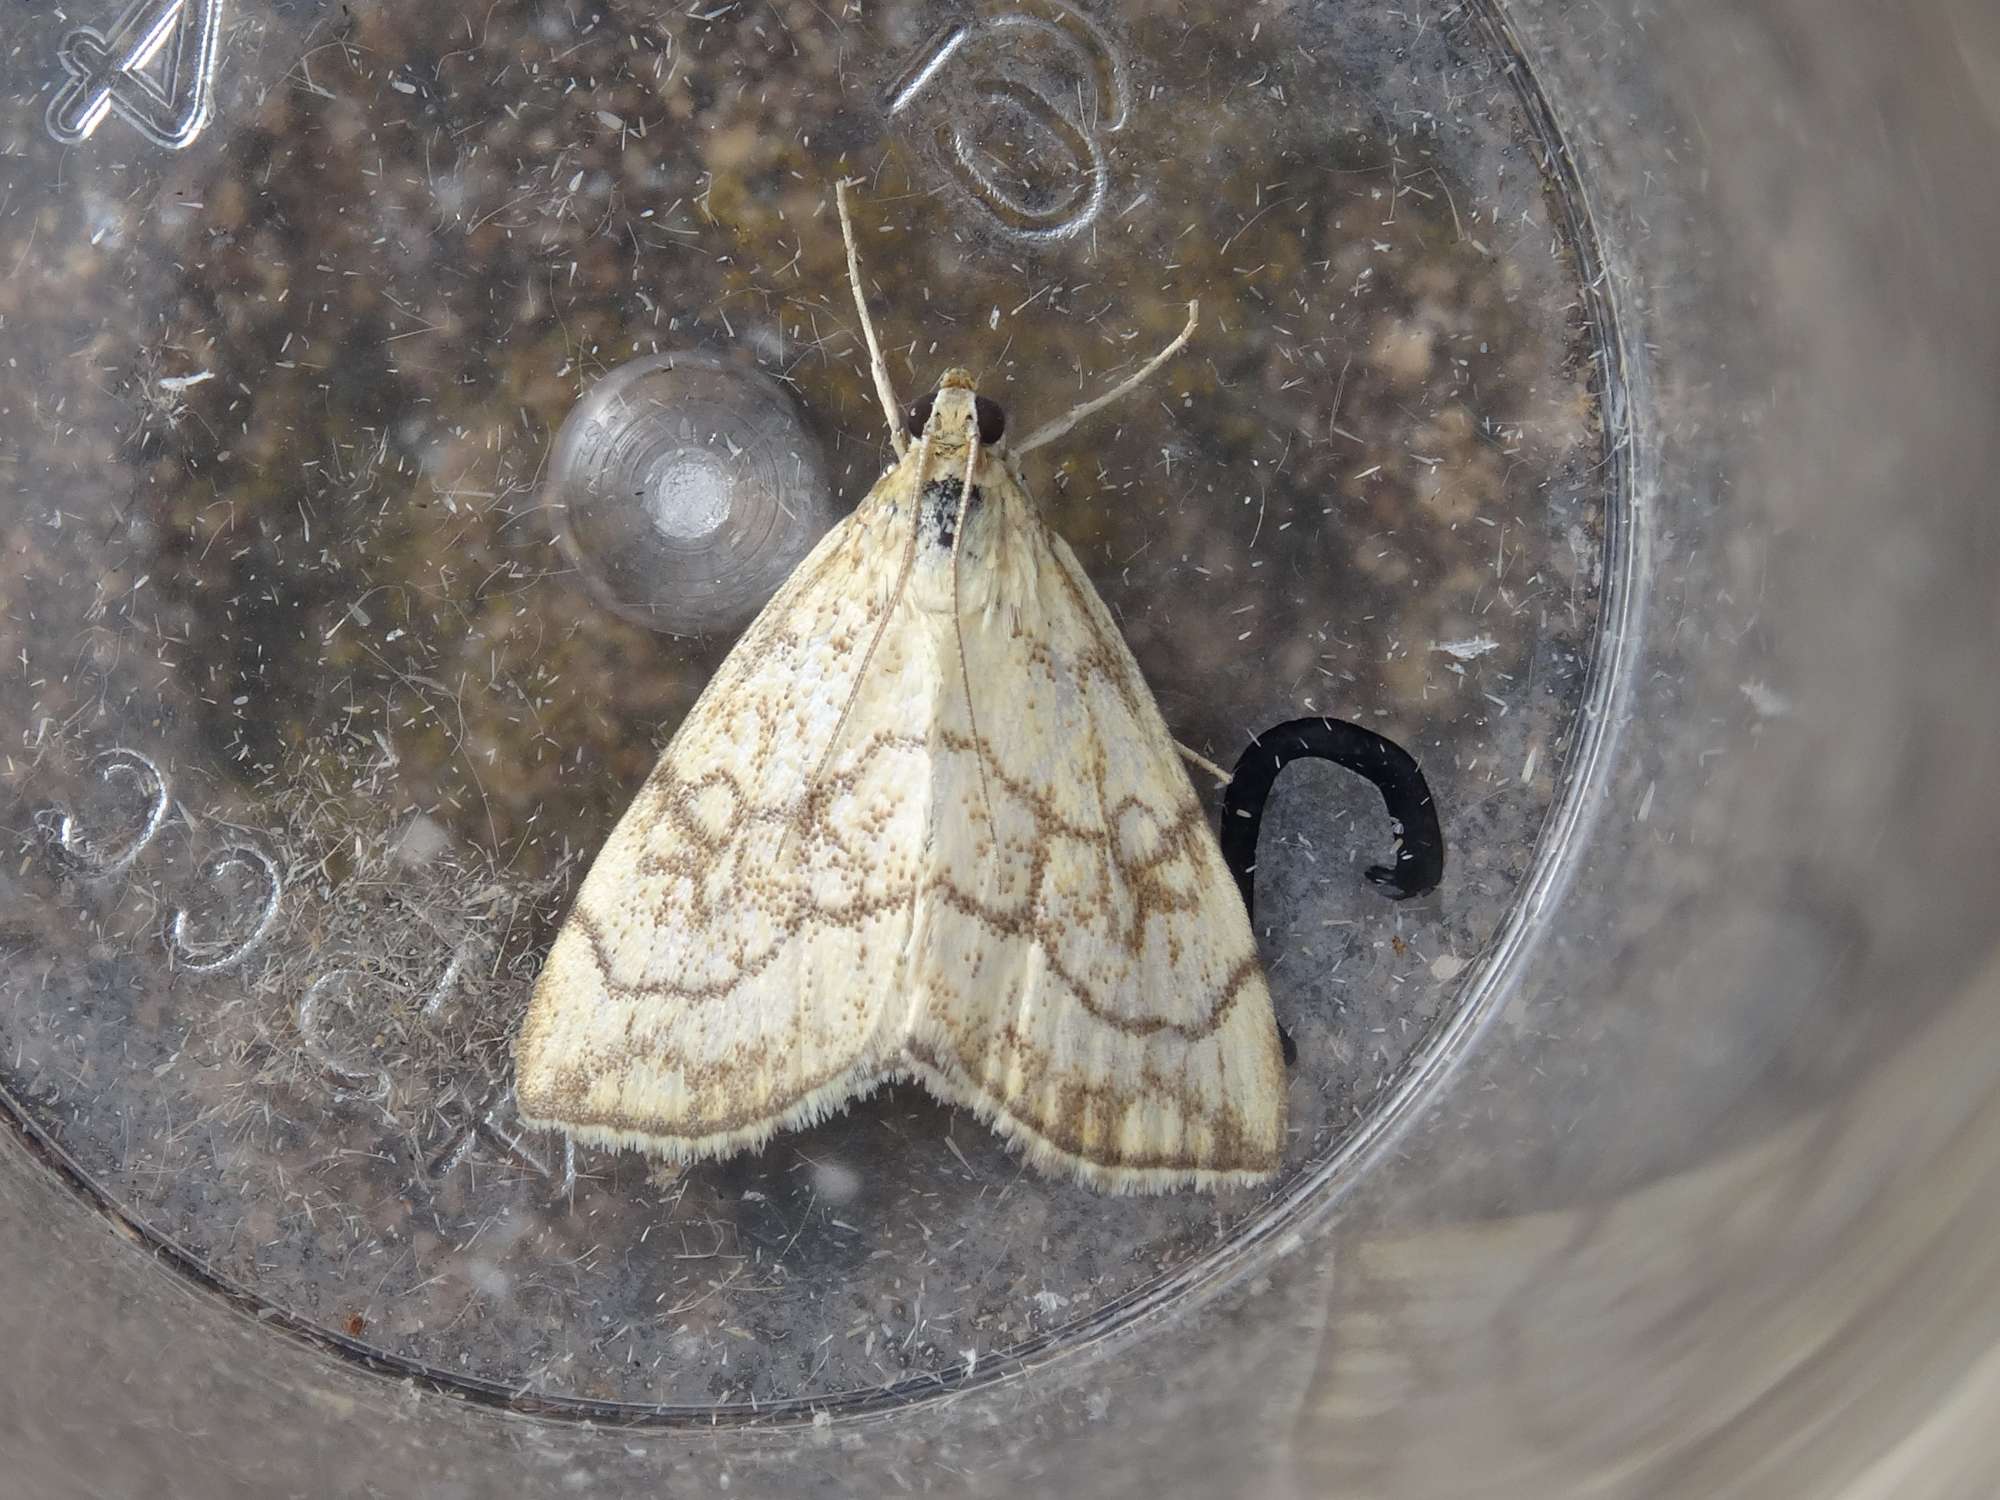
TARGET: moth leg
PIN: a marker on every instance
(1048, 432)
(885, 390)
(1202, 763)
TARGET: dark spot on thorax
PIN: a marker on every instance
(938, 505)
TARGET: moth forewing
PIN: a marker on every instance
(925, 822)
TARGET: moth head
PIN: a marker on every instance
(952, 412)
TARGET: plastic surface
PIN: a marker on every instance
(683, 491)
(364, 716)
(1651, 1155)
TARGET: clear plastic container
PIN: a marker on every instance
(1597, 403)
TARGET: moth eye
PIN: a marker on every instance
(992, 420)
(921, 413)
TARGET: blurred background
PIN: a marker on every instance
(406, 407)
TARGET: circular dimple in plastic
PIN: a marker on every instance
(684, 489)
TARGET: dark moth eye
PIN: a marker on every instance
(921, 413)
(992, 420)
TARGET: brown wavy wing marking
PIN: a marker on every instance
(1089, 980)
(703, 992)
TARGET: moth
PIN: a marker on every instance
(924, 823)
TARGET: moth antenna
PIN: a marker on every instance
(885, 389)
(958, 629)
(867, 657)
(1048, 432)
